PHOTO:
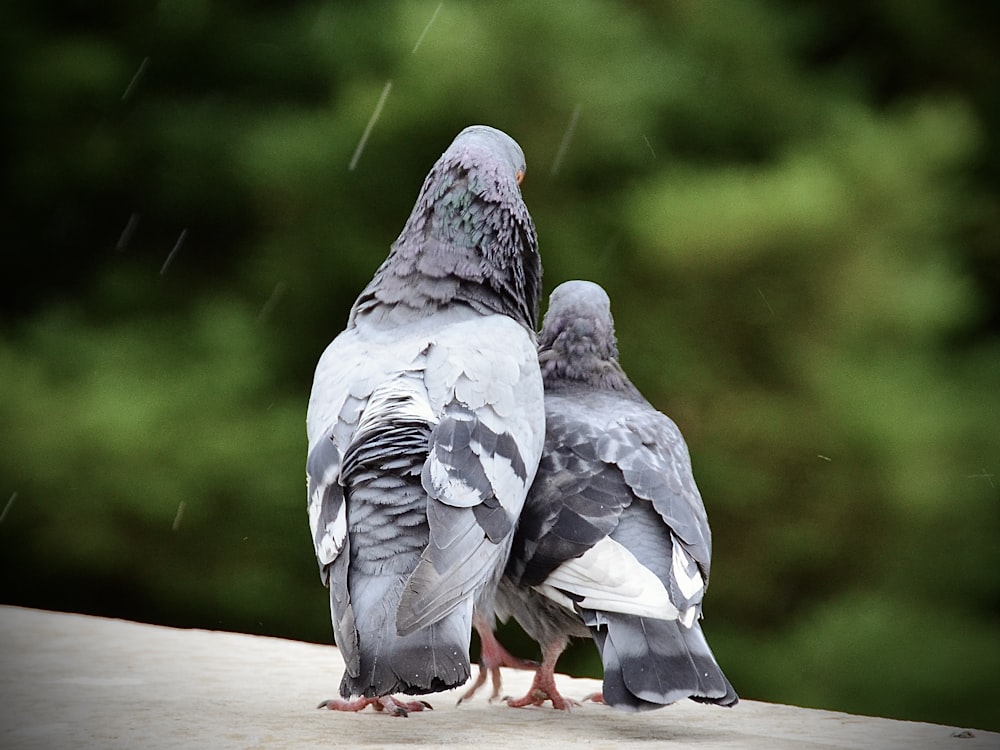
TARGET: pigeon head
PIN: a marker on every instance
(469, 238)
(489, 146)
(577, 342)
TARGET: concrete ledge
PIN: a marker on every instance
(71, 681)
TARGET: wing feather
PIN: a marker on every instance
(573, 543)
(327, 510)
(479, 466)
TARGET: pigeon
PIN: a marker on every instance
(425, 427)
(613, 541)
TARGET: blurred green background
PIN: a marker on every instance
(795, 208)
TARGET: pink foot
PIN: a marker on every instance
(543, 687)
(492, 656)
(493, 672)
(595, 698)
(382, 703)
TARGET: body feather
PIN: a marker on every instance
(425, 426)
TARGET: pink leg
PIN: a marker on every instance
(386, 703)
(492, 656)
(543, 687)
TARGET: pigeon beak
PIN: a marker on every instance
(519, 176)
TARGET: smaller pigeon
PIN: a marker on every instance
(613, 541)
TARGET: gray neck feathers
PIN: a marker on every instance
(469, 239)
(581, 350)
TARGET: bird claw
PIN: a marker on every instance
(538, 696)
(494, 673)
(492, 657)
(386, 703)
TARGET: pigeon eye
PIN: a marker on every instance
(519, 176)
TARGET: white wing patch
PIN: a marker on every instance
(331, 541)
(610, 578)
(688, 616)
(508, 487)
(687, 575)
(685, 572)
(450, 488)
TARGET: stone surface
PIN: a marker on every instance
(71, 681)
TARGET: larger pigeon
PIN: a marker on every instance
(613, 541)
(425, 428)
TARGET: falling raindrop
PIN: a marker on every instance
(170, 257)
(272, 301)
(126, 236)
(767, 304)
(368, 128)
(427, 27)
(7, 507)
(649, 146)
(136, 78)
(564, 143)
(178, 516)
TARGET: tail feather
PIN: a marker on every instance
(387, 532)
(615, 691)
(435, 658)
(651, 663)
(428, 660)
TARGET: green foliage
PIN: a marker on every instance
(140, 435)
(793, 209)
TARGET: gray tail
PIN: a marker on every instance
(387, 531)
(428, 660)
(650, 663)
